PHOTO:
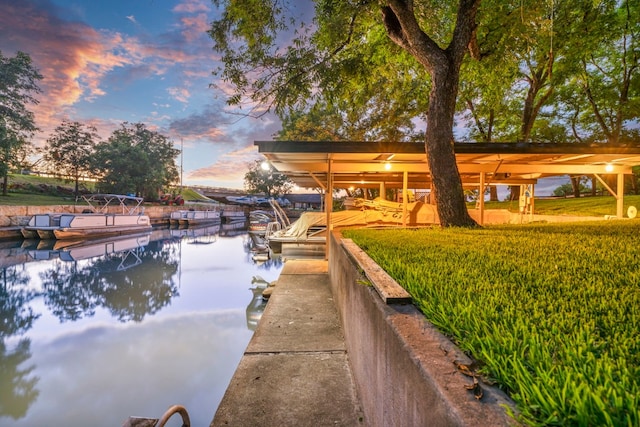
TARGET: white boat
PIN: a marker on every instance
(41, 226)
(98, 220)
(193, 217)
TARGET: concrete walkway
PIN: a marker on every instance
(295, 370)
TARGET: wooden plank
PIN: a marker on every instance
(388, 289)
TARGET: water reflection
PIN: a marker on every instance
(17, 384)
(257, 305)
(185, 299)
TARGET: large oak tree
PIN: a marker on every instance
(269, 70)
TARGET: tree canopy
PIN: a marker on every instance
(263, 179)
(349, 56)
(70, 150)
(530, 70)
(136, 160)
(18, 87)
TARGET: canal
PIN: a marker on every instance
(98, 331)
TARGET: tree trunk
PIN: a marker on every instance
(493, 193)
(450, 203)
(514, 193)
(443, 65)
(575, 185)
(5, 184)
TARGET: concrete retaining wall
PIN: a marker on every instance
(406, 372)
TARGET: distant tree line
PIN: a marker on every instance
(133, 160)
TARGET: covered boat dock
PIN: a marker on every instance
(330, 165)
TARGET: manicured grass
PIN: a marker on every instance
(550, 311)
(25, 199)
(583, 206)
(33, 190)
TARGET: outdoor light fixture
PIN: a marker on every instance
(387, 166)
(608, 167)
(265, 165)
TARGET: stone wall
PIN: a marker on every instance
(14, 216)
(406, 372)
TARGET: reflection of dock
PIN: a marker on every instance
(232, 214)
(12, 253)
(193, 232)
(233, 228)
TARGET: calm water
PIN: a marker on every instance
(91, 335)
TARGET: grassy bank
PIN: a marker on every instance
(32, 190)
(583, 206)
(551, 312)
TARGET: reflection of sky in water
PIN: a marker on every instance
(98, 371)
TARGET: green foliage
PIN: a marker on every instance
(549, 311)
(136, 160)
(269, 182)
(70, 149)
(567, 190)
(18, 85)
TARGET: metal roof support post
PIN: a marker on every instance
(383, 191)
(618, 194)
(405, 183)
(328, 203)
(481, 197)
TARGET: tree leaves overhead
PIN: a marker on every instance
(342, 63)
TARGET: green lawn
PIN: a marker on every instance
(583, 206)
(33, 190)
(550, 311)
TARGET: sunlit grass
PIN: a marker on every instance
(551, 311)
(583, 206)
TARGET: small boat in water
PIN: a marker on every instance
(41, 226)
(258, 221)
(193, 217)
(97, 220)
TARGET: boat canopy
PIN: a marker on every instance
(100, 203)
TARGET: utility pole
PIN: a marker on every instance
(181, 160)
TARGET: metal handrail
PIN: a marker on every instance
(175, 409)
(154, 422)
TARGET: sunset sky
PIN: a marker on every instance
(148, 61)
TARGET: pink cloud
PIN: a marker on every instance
(195, 27)
(231, 167)
(191, 6)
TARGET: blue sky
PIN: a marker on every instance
(149, 61)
